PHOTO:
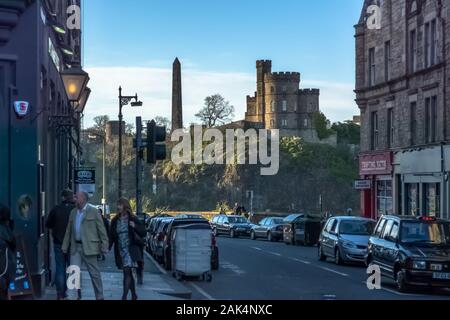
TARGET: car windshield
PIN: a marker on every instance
(237, 220)
(360, 228)
(423, 232)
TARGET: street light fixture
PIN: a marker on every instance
(123, 101)
(81, 104)
(75, 81)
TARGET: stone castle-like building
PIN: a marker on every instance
(278, 103)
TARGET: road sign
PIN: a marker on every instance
(363, 184)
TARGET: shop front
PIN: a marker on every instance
(422, 182)
(377, 198)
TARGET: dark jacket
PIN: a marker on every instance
(135, 234)
(58, 219)
(7, 251)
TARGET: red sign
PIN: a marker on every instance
(375, 164)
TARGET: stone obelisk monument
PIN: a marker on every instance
(177, 101)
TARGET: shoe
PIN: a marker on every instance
(79, 295)
(134, 298)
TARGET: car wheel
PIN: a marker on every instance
(269, 237)
(253, 235)
(338, 258)
(232, 234)
(401, 282)
(322, 256)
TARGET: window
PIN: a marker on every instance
(272, 123)
(331, 225)
(284, 89)
(430, 119)
(394, 232)
(412, 201)
(272, 106)
(284, 105)
(272, 89)
(387, 60)
(387, 229)
(284, 123)
(384, 197)
(412, 50)
(295, 106)
(432, 193)
(391, 129)
(372, 75)
(334, 226)
(374, 137)
(413, 122)
(380, 228)
(430, 43)
(305, 123)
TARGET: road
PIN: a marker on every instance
(260, 270)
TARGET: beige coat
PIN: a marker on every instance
(93, 233)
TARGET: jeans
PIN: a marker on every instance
(61, 263)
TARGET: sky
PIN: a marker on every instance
(133, 44)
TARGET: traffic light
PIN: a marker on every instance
(156, 146)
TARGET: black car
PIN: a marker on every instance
(302, 229)
(168, 245)
(234, 226)
(414, 251)
(270, 228)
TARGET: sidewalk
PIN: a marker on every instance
(156, 286)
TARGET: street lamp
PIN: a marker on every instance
(81, 104)
(123, 101)
(94, 135)
(75, 81)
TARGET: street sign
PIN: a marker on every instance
(85, 180)
(363, 184)
(21, 108)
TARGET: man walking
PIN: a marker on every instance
(57, 222)
(86, 237)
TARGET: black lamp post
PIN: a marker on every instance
(124, 101)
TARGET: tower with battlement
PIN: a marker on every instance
(279, 103)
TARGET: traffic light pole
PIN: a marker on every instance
(138, 166)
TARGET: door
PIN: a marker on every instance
(392, 247)
(260, 227)
(327, 244)
(384, 247)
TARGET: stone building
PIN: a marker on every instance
(278, 103)
(402, 92)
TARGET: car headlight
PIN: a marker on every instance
(349, 245)
(419, 265)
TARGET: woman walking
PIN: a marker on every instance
(126, 235)
(7, 251)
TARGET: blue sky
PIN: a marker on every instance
(218, 42)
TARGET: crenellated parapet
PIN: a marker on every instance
(283, 76)
(309, 92)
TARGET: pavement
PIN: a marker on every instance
(156, 286)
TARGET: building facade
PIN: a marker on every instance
(39, 148)
(402, 92)
(278, 103)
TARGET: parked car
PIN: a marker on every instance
(413, 251)
(157, 242)
(152, 228)
(345, 239)
(167, 260)
(190, 216)
(270, 228)
(234, 226)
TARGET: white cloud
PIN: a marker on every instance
(154, 88)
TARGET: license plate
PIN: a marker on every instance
(441, 276)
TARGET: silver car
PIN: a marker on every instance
(345, 239)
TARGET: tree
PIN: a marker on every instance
(348, 133)
(163, 122)
(215, 111)
(100, 123)
(321, 124)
